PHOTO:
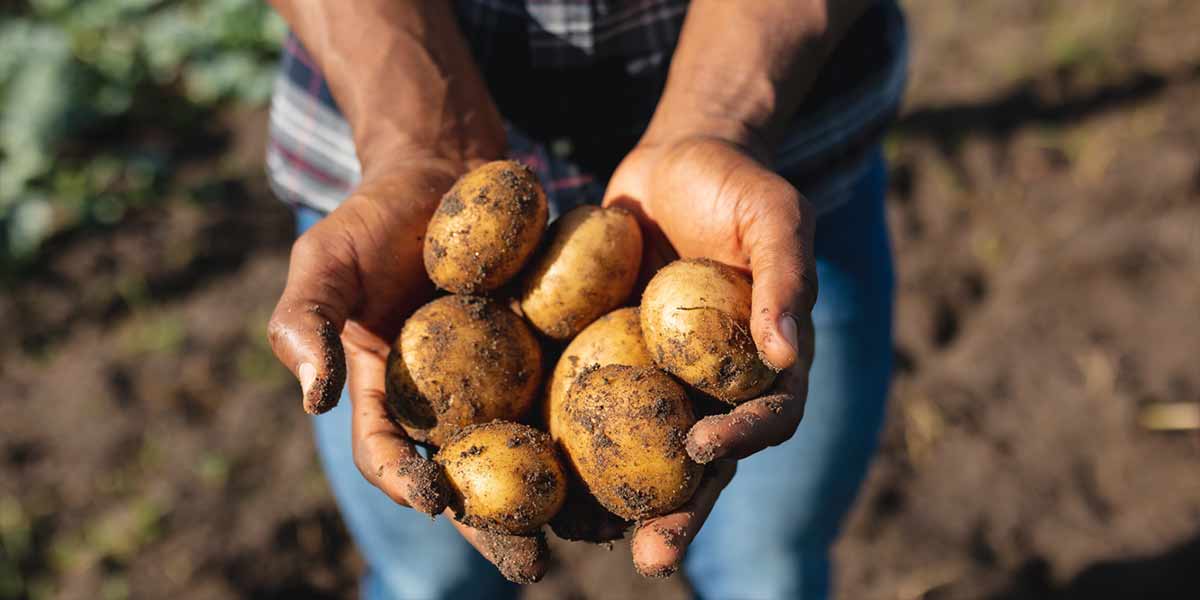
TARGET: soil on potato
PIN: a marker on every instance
(1045, 206)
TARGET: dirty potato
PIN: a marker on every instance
(461, 360)
(624, 430)
(485, 228)
(614, 339)
(695, 317)
(503, 476)
(587, 268)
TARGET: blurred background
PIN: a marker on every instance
(1045, 207)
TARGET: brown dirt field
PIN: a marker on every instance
(1045, 205)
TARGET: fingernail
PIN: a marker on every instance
(308, 374)
(787, 327)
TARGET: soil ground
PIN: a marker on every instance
(1045, 207)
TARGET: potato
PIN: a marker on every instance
(461, 360)
(503, 476)
(696, 322)
(614, 339)
(624, 430)
(588, 268)
(485, 228)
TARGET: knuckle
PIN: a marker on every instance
(786, 434)
(362, 460)
(809, 287)
(795, 418)
(791, 271)
(788, 201)
(784, 413)
(276, 330)
(793, 202)
(324, 248)
(784, 269)
(307, 246)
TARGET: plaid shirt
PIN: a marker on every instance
(577, 81)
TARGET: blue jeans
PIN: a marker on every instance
(770, 534)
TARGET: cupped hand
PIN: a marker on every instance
(352, 280)
(701, 196)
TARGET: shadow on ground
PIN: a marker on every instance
(1171, 575)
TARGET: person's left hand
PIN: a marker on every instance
(700, 196)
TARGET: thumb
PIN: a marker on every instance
(322, 289)
(778, 236)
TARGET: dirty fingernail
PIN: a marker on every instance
(787, 327)
(307, 374)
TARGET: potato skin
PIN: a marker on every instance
(504, 476)
(461, 360)
(696, 322)
(614, 339)
(624, 434)
(588, 267)
(485, 228)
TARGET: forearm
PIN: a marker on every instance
(403, 76)
(742, 68)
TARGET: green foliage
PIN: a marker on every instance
(88, 90)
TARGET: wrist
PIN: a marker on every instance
(744, 90)
(404, 78)
(384, 154)
(675, 122)
(408, 188)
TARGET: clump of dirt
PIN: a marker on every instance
(428, 490)
(521, 559)
(451, 204)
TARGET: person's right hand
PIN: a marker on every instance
(353, 279)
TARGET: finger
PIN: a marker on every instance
(751, 426)
(659, 543)
(519, 558)
(778, 238)
(383, 453)
(321, 290)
